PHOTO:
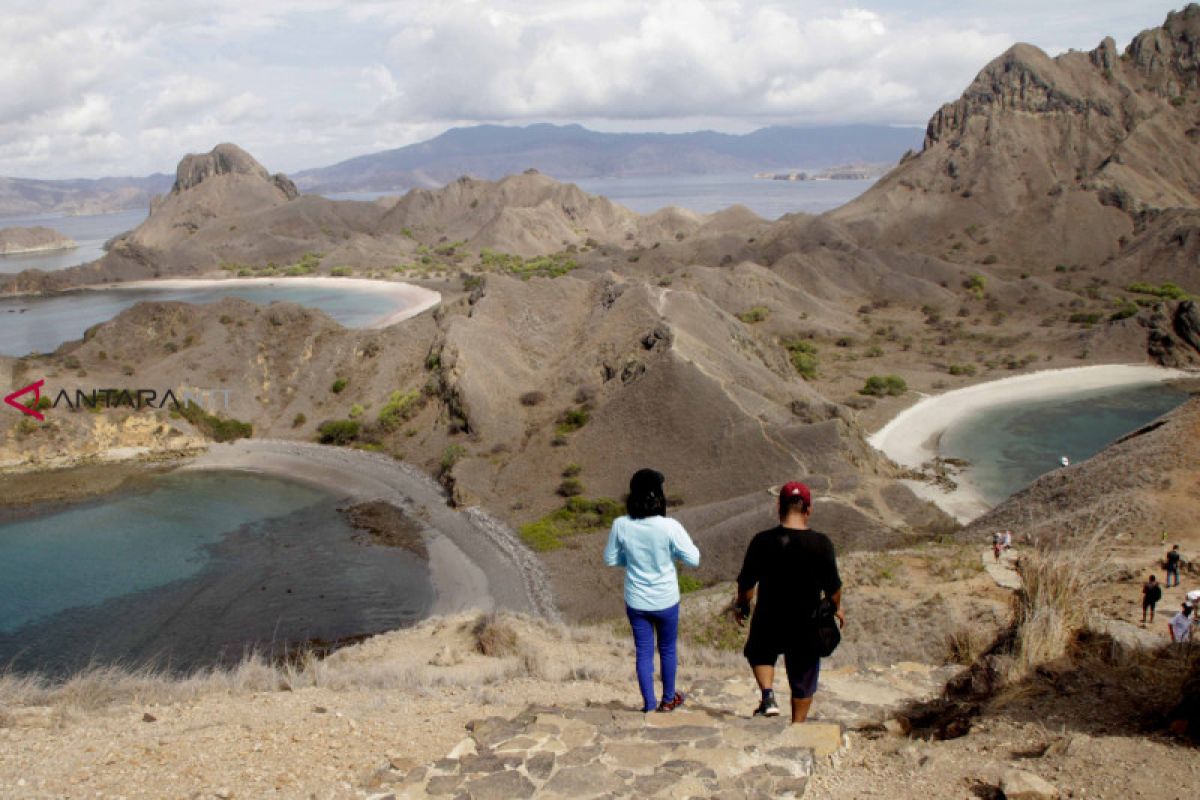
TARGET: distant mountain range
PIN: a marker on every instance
(564, 152)
(29, 196)
(569, 152)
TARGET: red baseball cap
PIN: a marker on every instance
(796, 489)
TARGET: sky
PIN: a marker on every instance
(126, 87)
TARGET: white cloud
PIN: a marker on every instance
(128, 86)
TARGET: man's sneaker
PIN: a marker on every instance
(767, 708)
(667, 706)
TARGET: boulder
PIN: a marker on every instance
(1018, 784)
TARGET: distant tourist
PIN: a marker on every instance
(791, 566)
(997, 544)
(1180, 625)
(646, 543)
(1066, 462)
(1173, 559)
(1151, 594)
(1007, 542)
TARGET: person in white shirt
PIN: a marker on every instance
(1180, 625)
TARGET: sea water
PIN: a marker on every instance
(1010, 446)
(194, 568)
(89, 232)
(770, 199)
(40, 323)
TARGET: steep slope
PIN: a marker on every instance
(1051, 159)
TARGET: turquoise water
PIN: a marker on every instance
(1010, 446)
(41, 323)
(193, 568)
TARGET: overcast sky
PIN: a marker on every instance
(126, 87)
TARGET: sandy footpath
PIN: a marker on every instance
(410, 299)
(475, 561)
(911, 437)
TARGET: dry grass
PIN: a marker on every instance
(488, 650)
(494, 638)
(965, 644)
(1053, 606)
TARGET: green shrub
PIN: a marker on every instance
(338, 431)
(400, 408)
(689, 583)
(1085, 317)
(975, 284)
(356, 411)
(218, 429)
(451, 456)
(804, 357)
(961, 369)
(1168, 291)
(299, 420)
(341, 272)
(1124, 311)
(551, 266)
(879, 386)
(572, 471)
(990, 258)
(338, 386)
(578, 515)
(572, 420)
(755, 314)
(570, 487)
(1178, 101)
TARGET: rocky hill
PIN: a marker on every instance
(32, 240)
(1066, 160)
(569, 152)
(578, 338)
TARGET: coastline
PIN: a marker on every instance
(475, 563)
(911, 437)
(410, 298)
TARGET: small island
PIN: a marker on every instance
(32, 240)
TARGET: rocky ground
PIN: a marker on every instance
(479, 706)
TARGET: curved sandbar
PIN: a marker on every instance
(911, 437)
(475, 561)
(410, 299)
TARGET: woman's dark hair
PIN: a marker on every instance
(646, 498)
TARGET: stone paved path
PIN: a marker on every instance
(1004, 572)
(711, 748)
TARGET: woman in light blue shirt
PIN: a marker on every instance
(646, 543)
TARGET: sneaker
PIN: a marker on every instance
(667, 706)
(767, 708)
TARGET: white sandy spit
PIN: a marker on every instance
(911, 437)
(410, 300)
(475, 562)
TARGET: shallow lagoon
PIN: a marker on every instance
(194, 568)
(1009, 446)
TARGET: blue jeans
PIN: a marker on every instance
(645, 625)
(1172, 571)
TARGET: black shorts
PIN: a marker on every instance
(803, 666)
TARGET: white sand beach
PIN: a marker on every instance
(410, 299)
(911, 437)
(475, 562)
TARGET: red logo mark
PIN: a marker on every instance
(31, 410)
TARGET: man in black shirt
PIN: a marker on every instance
(791, 566)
